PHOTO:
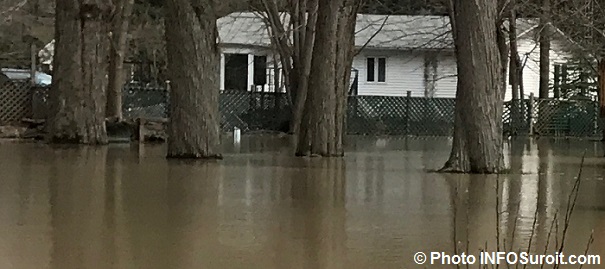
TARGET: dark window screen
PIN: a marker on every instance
(371, 67)
(382, 66)
(260, 70)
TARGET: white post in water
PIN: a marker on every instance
(236, 135)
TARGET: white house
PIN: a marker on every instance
(400, 54)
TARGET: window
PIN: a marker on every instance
(260, 70)
(371, 69)
(376, 69)
(236, 72)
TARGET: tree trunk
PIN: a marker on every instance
(515, 62)
(545, 49)
(503, 46)
(303, 67)
(117, 53)
(514, 69)
(344, 60)
(193, 63)
(477, 142)
(601, 95)
(319, 131)
(504, 50)
(78, 97)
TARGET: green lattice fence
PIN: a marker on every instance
(431, 116)
(144, 101)
(15, 101)
(138, 101)
(377, 115)
(570, 118)
(252, 111)
(516, 117)
(366, 115)
(396, 115)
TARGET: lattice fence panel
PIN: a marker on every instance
(233, 105)
(15, 101)
(575, 118)
(516, 117)
(253, 111)
(583, 119)
(248, 111)
(432, 116)
(366, 115)
(377, 115)
(148, 102)
(392, 115)
(359, 119)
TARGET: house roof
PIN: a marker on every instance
(394, 32)
(374, 31)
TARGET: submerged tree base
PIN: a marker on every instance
(194, 156)
(315, 155)
(75, 139)
(453, 168)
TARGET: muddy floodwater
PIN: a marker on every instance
(126, 206)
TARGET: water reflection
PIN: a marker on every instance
(77, 208)
(323, 203)
(128, 207)
(192, 213)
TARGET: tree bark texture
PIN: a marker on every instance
(193, 63)
(78, 94)
(345, 48)
(545, 49)
(503, 46)
(303, 66)
(515, 61)
(601, 94)
(514, 68)
(322, 125)
(477, 142)
(117, 54)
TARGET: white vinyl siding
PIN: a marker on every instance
(404, 72)
(529, 52)
(447, 78)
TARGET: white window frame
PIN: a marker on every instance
(376, 69)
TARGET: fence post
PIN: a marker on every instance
(530, 114)
(408, 101)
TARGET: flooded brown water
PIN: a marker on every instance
(125, 206)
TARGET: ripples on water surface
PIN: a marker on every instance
(127, 207)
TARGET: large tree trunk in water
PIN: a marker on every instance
(601, 95)
(322, 122)
(344, 61)
(545, 49)
(193, 60)
(515, 68)
(78, 97)
(303, 67)
(117, 52)
(515, 61)
(477, 142)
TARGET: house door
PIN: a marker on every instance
(236, 72)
